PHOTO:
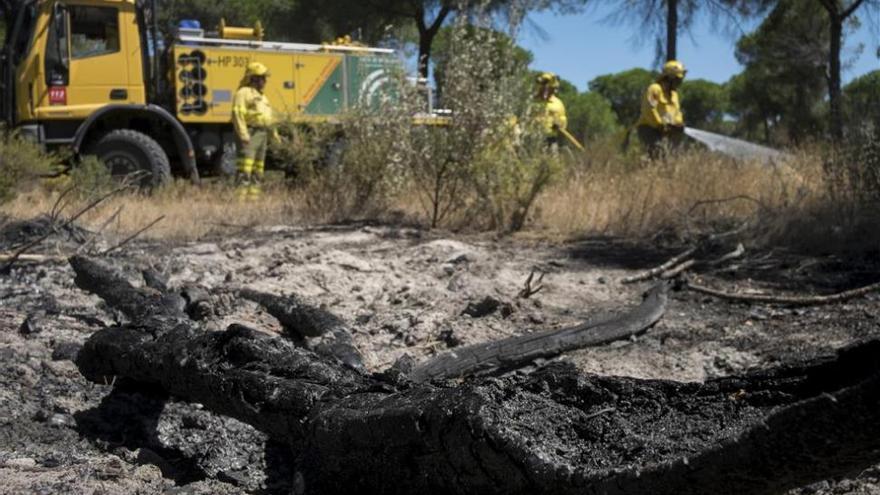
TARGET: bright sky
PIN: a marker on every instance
(581, 47)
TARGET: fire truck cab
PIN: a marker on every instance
(98, 77)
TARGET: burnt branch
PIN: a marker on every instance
(132, 237)
(528, 290)
(555, 431)
(658, 270)
(515, 352)
(296, 316)
(787, 300)
(678, 265)
(101, 279)
(678, 270)
(306, 323)
(30, 245)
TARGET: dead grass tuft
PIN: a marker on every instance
(190, 212)
(693, 191)
(795, 204)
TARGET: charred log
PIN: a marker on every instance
(555, 431)
(319, 329)
(113, 287)
(515, 352)
(295, 315)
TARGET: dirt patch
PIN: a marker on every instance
(403, 292)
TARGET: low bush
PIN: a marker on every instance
(90, 177)
(21, 164)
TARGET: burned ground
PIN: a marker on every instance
(401, 291)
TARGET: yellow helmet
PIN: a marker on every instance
(674, 68)
(548, 78)
(256, 69)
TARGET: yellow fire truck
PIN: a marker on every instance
(97, 77)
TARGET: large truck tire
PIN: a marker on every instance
(129, 153)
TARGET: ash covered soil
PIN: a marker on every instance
(404, 292)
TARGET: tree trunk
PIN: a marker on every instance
(555, 431)
(838, 13)
(425, 41)
(426, 37)
(834, 93)
(671, 30)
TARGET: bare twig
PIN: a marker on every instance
(36, 258)
(736, 253)
(678, 270)
(788, 300)
(69, 221)
(729, 233)
(58, 206)
(529, 291)
(653, 272)
(100, 229)
(600, 412)
(132, 236)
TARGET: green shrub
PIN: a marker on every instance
(353, 169)
(21, 164)
(305, 148)
(510, 178)
(482, 169)
(90, 177)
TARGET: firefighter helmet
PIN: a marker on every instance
(256, 69)
(674, 68)
(549, 79)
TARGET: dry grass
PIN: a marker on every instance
(639, 199)
(792, 204)
(190, 212)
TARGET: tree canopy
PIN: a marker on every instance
(590, 115)
(782, 86)
(862, 97)
(704, 103)
(661, 21)
(624, 91)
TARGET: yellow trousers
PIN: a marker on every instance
(251, 165)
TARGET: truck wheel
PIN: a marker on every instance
(130, 153)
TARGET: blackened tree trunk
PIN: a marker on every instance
(671, 29)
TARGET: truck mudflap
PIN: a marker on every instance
(182, 142)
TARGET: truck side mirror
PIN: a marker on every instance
(58, 60)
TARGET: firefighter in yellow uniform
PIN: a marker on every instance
(253, 122)
(551, 112)
(661, 123)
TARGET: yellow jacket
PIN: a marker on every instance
(659, 108)
(552, 113)
(250, 108)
